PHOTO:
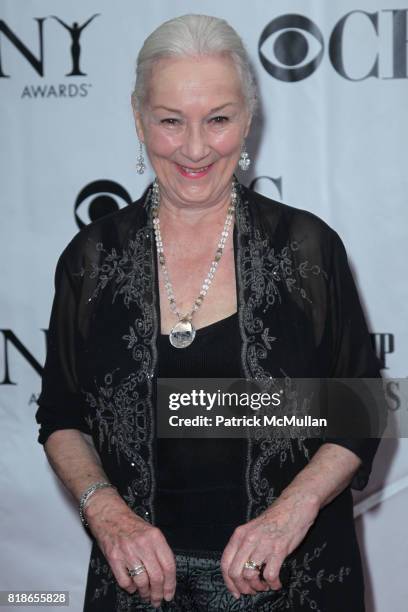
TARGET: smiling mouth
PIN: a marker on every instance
(194, 172)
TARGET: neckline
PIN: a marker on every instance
(212, 326)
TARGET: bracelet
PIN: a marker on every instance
(87, 494)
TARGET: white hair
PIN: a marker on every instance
(192, 36)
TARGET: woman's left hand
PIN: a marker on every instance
(267, 540)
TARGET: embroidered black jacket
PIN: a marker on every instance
(299, 316)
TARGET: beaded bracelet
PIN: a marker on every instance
(87, 494)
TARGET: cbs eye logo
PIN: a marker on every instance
(292, 40)
(98, 199)
(291, 46)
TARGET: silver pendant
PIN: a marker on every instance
(182, 334)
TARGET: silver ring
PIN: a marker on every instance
(252, 565)
(135, 571)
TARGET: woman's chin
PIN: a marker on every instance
(198, 191)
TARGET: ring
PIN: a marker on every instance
(135, 571)
(252, 565)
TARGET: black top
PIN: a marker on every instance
(200, 496)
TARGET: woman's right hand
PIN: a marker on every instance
(127, 541)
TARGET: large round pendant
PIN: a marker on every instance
(182, 334)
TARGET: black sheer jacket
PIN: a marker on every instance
(299, 315)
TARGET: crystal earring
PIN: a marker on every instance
(244, 160)
(140, 162)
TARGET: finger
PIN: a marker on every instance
(253, 577)
(248, 551)
(141, 580)
(121, 574)
(249, 584)
(226, 560)
(156, 577)
(273, 564)
(168, 564)
(156, 580)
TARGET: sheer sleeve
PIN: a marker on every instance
(61, 405)
(352, 354)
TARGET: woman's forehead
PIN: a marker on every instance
(183, 80)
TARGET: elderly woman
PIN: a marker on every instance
(203, 278)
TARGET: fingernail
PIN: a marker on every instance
(236, 595)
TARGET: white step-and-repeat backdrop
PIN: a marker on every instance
(331, 137)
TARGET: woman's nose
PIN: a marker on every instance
(195, 147)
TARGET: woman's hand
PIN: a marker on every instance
(127, 541)
(267, 540)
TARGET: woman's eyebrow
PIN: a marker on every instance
(218, 108)
(179, 112)
(166, 108)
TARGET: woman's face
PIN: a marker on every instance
(193, 125)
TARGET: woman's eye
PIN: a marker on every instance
(220, 119)
(170, 121)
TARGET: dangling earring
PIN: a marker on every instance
(244, 160)
(140, 162)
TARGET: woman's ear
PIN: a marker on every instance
(138, 123)
(248, 125)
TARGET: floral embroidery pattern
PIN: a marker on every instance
(127, 270)
(266, 273)
(119, 416)
(266, 268)
(301, 576)
(120, 408)
(138, 341)
(121, 422)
